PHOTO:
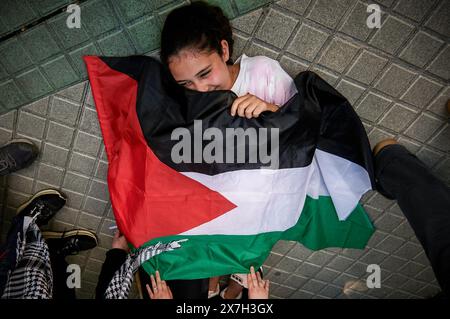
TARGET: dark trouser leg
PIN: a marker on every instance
(181, 289)
(59, 266)
(425, 201)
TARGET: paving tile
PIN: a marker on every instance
(415, 10)
(31, 125)
(421, 92)
(34, 38)
(351, 91)
(398, 117)
(247, 23)
(423, 127)
(292, 67)
(276, 29)
(307, 42)
(86, 143)
(33, 84)
(94, 206)
(439, 21)
(99, 190)
(64, 111)
(60, 135)
(372, 106)
(338, 55)
(132, 9)
(68, 37)
(440, 140)
(421, 49)
(54, 155)
(81, 163)
(245, 6)
(75, 182)
(440, 65)
(60, 72)
(356, 23)
(146, 35)
(89, 221)
(395, 80)
(50, 174)
(13, 56)
(366, 67)
(391, 35)
(15, 14)
(39, 107)
(116, 44)
(99, 17)
(11, 95)
(439, 105)
(329, 13)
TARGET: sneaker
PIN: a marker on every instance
(43, 205)
(17, 154)
(380, 145)
(71, 242)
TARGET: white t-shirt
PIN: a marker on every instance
(264, 78)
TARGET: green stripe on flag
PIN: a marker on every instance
(203, 256)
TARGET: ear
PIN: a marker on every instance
(225, 50)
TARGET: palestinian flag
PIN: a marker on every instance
(228, 212)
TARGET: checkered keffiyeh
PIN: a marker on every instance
(120, 285)
(31, 275)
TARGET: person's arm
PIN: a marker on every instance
(279, 86)
(115, 257)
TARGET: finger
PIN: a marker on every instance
(236, 104)
(149, 290)
(153, 282)
(250, 282)
(170, 292)
(158, 278)
(249, 110)
(258, 276)
(259, 110)
(242, 107)
(254, 278)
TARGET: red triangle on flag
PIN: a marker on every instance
(149, 198)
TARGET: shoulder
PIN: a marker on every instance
(262, 63)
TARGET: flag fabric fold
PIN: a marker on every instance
(230, 212)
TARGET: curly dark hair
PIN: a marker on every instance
(199, 26)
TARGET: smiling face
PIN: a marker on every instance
(203, 71)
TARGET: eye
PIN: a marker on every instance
(204, 75)
(186, 84)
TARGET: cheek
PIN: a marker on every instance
(217, 78)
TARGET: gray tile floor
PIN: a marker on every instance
(397, 79)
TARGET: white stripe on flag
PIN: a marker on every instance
(272, 200)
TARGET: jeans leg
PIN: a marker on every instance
(424, 200)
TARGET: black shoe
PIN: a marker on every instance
(44, 205)
(17, 154)
(70, 242)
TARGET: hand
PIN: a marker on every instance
(119, 241)
(257, 287)
(251, 106)
(159, 289)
